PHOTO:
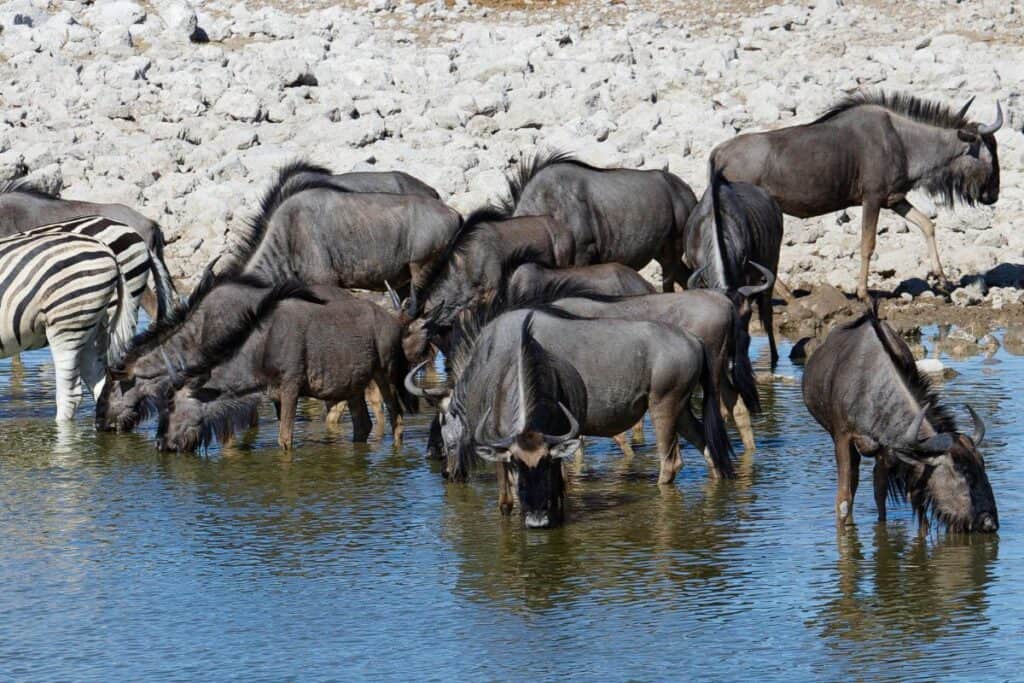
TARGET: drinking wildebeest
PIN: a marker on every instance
(65, 291)
(488, 245)
(871, 149)
(637, 365)
(141, 381)
(329, 350)
(734, 226)
(863, 386)
(311, 229)
(709, 316)
(24, 206)
(616, 215)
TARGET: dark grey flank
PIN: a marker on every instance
(24, 206)
(734, 227)
(329, 346)
(871, 149)
(863, 386)
(616, 215)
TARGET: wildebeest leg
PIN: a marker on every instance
(376, 404)
(671, 265)
(664, 419)
(289, 402)
(333, 410)
(385, 392)
(361, 425)
(622, 441)
(764, 311)
(910, 213)
(638, 431)
(737, 411)
(693, 431)
(148, 302)
(869, 229)
(881, 481)
(848, 464)
(505, 499)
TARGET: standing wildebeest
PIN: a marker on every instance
(65, 291)
(331, 350)
(711, 317)
(616, 215)
(871, 149)
(863, 386)
(390, 182)
(311, 229)
(735, 226)
(637, 365)
(24, 206)
(488, 245)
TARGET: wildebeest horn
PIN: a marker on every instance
(989, 128)
(979, 427)
(411, 304)
(171, 372)
(691, 282)
(478, 434)
(574, 429)
(753, 290)
(940, 443)
(415, 390)
(910, 438)
(395, 301)
(963, 110)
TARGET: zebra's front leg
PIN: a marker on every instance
(69, 381)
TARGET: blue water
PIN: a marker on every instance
(342, 562)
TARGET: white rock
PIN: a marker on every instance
(116, 13)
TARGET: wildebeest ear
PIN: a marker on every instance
(967, 136)
(565, 449)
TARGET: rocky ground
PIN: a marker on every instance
(184, 111)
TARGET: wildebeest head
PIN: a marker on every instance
(448, 439)
(946, 477)
(973, 174)
(196, 416)
(131, 394)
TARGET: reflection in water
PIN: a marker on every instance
(359, 562)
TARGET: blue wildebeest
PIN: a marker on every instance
(733, 235)
(863, 387)
(65, 291)
(607, 279)
(871, 149)
(526, 369)
(24, 206)
(329, 348)
(311, 228)
(616, 215)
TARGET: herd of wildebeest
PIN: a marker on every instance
(548, 332)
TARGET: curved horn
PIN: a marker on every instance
(395, 301)
(940, 443)
(478, 435)
(989, 128)
(693, 280)
(753, 290)
(979, 427)
(171, 371)
(412, 303)
(962, 114)
(574, 429)
(910, 438)
(415, 390)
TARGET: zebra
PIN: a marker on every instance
(133, 256)
(67, 291)
(25, 205)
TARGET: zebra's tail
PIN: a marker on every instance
(121, 326)
(163, 286)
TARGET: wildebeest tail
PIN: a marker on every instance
(742, 371)
(714, 426)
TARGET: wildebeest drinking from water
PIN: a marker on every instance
(532, 380)
(734, 227)
(329, 349)
(616, 215)
(870, 150)
(863, 386)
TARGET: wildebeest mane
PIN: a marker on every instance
(919, 385)
(917, 108)
(25, 186)
(223, 416)
(292, 179)
(528, 167)
(228, 346)
(468, 228)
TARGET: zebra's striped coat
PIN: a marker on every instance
(67, 291)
